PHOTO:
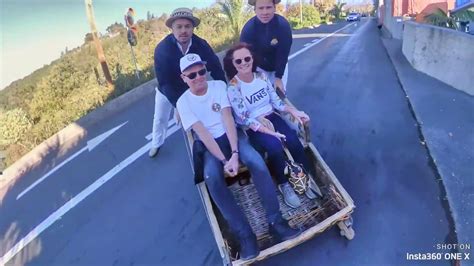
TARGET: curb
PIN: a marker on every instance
(68, 137)
(452, 237)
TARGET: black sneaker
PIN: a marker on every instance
(248, 247)
(282, 231)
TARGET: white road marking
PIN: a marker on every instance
(313, 44)
(59, 213)
(91, 144)
(171, 123)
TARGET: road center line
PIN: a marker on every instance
(316, 42)
(171, 123)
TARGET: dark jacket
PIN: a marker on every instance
(167, 56)
(271, 42)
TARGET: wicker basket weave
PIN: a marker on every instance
(310, 213)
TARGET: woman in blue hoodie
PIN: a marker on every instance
(271, 39)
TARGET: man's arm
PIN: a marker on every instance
(189, 120)
(163, 76)
(246, 34)
(230, 128)
(233, 165)
(284, 46)
(210, 143)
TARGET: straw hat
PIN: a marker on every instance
(252, 2)
(182, 12)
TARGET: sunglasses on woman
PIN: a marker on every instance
(193, 75)
(246, 59)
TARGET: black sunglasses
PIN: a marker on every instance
(193, 75)
(246, 59)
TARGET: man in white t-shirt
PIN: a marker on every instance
(205, 109)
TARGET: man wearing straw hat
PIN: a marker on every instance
(168, 52)
(271, 39)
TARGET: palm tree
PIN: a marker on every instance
(338, 9)
(233, 10)
(441, 19)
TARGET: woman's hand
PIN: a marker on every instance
(280, 136)
(266, 123)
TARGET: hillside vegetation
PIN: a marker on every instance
(36, 107)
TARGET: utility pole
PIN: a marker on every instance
(98, 45)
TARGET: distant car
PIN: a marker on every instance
(353, 17)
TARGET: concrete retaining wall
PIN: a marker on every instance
(394, 26)
(445, 54)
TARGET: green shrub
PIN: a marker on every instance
(13, 126)
(310, 16)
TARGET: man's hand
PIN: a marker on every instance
(232, 166)
(301, 116)
(279, 85)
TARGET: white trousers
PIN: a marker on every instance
(163, 109)
(271, 76)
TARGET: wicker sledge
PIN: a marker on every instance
(314, 216)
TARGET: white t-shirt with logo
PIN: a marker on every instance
(256, 96)
(205, 109)
(250, 100)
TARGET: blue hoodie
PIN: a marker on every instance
(271, 42)
(168, 74)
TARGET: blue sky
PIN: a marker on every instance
(34, 32)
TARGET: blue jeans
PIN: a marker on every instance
(222, 196)
(276, 156)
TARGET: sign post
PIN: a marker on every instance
(132, 35)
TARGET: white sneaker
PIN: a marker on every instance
(153, 152)
(289, 195)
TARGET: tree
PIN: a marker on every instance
(233, 10)
(338, 9)
(115, 28)
(310, 16)
(88, 38)
(441, 19)
(324, 6)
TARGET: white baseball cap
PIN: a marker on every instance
(190, 60)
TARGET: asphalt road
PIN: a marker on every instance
(149, 212)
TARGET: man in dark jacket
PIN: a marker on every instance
(271, 39)
(168, 52)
